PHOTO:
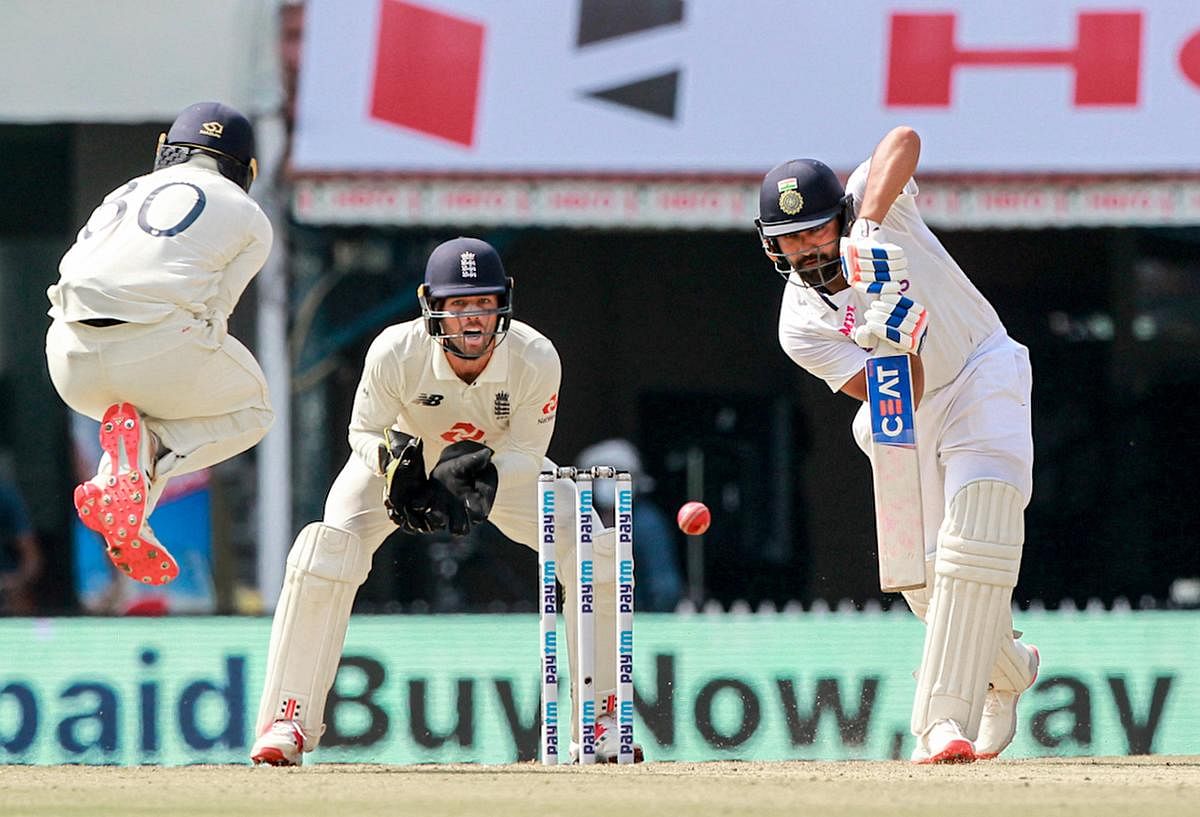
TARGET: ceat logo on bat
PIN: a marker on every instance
(462, 431)
(889, 395)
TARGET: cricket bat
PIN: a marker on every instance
(899, 521)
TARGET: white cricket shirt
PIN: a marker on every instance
(815, 329)
(510, 407)
(181, 238)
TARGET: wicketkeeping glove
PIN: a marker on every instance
(407, 494)
(466, 473)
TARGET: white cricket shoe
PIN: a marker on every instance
(943, 742)
(607, 743)
(281, 745)
(998, 725)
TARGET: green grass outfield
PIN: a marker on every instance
(1159, 786)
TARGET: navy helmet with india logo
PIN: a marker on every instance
(216, 130)
(464, 267)
(799, 195)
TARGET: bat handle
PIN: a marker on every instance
(866, 340)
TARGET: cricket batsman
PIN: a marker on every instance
(450, 427)
(863, 269)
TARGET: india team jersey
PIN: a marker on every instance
(815, 329)
(181, 238)
(510, 407)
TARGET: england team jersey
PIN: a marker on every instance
(815, 329)
(510, 407)
(181, 238)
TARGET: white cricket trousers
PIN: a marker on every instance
(200, 390)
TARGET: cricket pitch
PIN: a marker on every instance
(1163, 786)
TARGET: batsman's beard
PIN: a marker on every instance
(818, 270)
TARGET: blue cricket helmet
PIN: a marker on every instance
(464, 267)
(216, 130)
(799, 195)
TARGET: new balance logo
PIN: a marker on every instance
(429, 399)
(467, 262)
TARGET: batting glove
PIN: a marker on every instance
(868, 261)
(896, 319)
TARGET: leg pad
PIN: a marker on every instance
(325, 567)
(978, 558)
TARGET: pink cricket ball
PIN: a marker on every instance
(693, 518)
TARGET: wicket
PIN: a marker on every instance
(585, 693)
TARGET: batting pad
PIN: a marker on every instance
(325, 567)
(1011, 671)
(978, 558)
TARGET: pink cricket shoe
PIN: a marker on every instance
(114, 505)
(280, 745)
(944, 742)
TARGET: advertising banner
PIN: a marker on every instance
(728, 205)
(710, 87)
(415, 689)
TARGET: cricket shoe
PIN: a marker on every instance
(114, 504)
(145, 559)
(280, 745)
(943, 742)
(608, 743)
(998, 725)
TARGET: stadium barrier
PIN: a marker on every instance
(464, 688)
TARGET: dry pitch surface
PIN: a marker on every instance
(1158, 786)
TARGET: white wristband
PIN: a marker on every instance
(863, 228)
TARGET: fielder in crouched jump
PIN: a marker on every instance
(139, 339)
(864, 269)
(450, 427)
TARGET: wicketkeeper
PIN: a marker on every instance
(863, 269)
(451, 423)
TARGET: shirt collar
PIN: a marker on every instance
(825, 302)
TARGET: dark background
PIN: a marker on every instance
(668, 338)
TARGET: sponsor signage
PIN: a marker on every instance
(442, 689)
(889, 391)
(582, 87)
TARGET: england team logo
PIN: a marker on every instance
(501, 407)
